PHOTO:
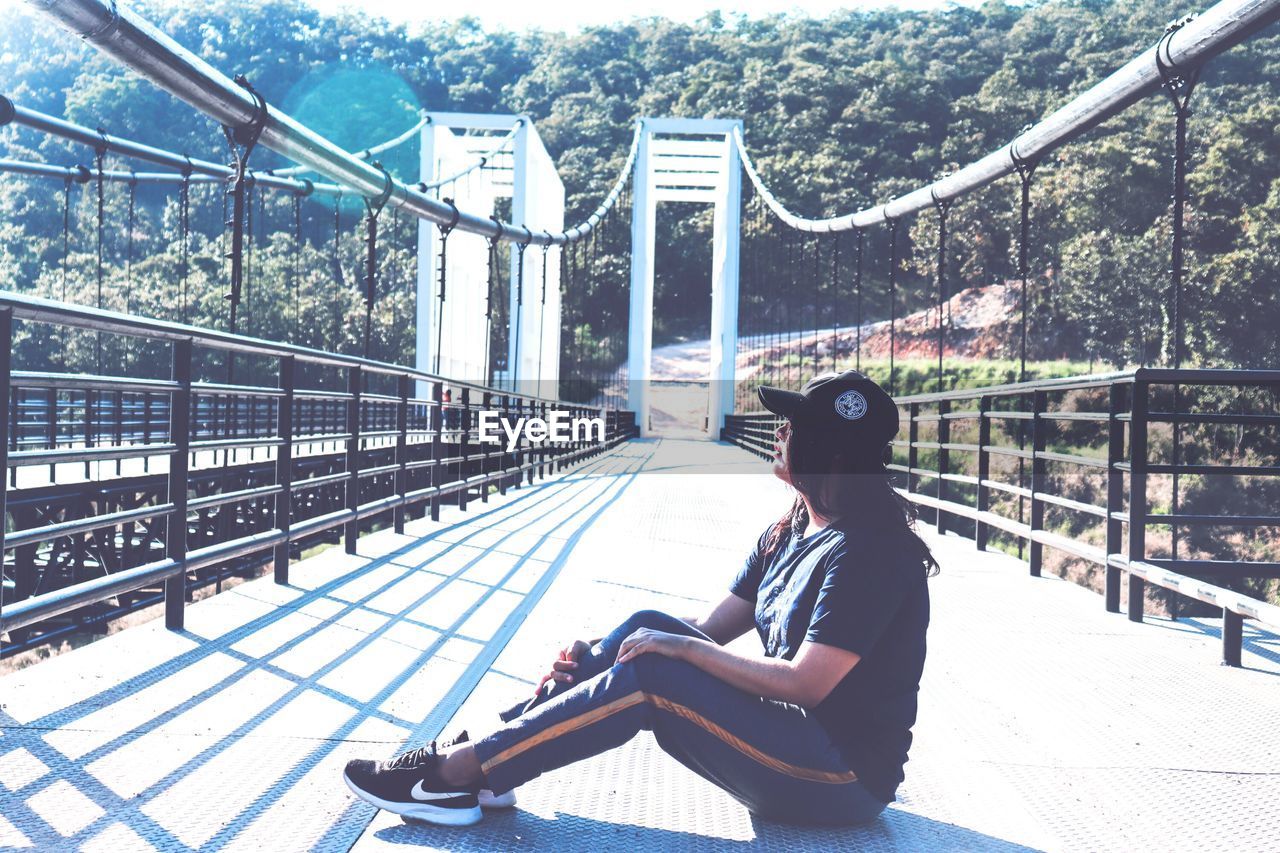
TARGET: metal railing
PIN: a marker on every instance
(183, 476)
(1090, 467)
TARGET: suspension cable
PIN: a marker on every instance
(128, 251)
(542, 313)
(490, 285)
(576, 327)
(817, 293)
(393, 262)
(942, 207)
(134, 42)
(101, 189)
(514, 369)
(565, 315)
(1179, 84)
(445, 231)
(203, 171)
(297, 266)
(100, 233)
(1214, 31)
(1026, 169)
(338, 278)
(893, 302)
(128, 262)
(835, 299)
(66, 232)
(184, 227)
(242, 140)
(480, 163)
(373, 208)
(253, 222)
(396, 141)
(857, 295)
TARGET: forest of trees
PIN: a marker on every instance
(838, 113)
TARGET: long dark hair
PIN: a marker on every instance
(854, 495)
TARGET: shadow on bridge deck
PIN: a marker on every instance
(1045, 722)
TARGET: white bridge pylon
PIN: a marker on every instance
(453, 338)
(686, 160)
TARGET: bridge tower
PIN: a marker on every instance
(686, 160)
(455, 342)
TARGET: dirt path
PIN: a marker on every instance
(975, 321)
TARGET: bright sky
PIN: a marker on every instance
(560, 15)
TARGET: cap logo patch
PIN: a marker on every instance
(851, 405)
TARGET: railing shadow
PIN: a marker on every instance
(579, 497)
(1255, 639)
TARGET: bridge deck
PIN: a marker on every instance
(1045, 722)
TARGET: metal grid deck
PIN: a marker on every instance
(1045, 722)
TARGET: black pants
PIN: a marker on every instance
(774, 758)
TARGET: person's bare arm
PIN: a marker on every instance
(806, 680)
(726, 620)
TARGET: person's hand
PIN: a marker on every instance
(646, 640)
(564, 665)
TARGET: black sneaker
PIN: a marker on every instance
(410, 785)
(488, 799)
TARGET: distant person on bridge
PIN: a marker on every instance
(814, 731)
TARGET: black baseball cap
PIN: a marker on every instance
(839, 411)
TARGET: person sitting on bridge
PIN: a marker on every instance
(816, 730)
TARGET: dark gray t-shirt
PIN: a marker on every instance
(856, 592)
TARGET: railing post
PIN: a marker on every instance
(15, 435)
(529, 448)
(982, 531)
(1137, 495)
(944, 458)
(464, 424)
(118, 437)
(351, 530)
(1039, 434)
(502, 447)
(913, 435)
(548, 454)
(6, 394)
(556, 452)
(548, 448)
(402, 450)
(146, 429)
(437, 425)
(1232, 637)
(51, 430)
(487, 406)
(284, 465)
(1115, 491)
(88, 430)
(175, 540)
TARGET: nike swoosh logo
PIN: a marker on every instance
(420, 793)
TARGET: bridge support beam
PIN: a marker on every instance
(453, 335)
(687, 160)
(727, 226)
(644, 214)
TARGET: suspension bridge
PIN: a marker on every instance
(384, 575)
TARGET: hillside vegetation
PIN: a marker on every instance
(838, 112)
